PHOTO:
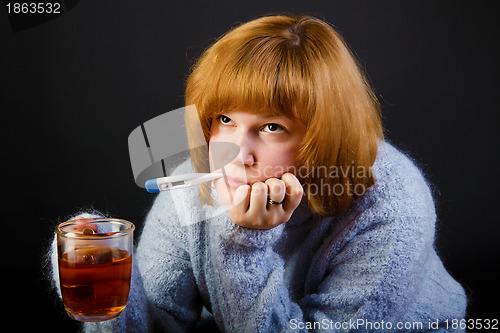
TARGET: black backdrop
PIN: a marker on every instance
(72, 90)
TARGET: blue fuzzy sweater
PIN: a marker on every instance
(372, 269)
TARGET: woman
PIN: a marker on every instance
(329, 226)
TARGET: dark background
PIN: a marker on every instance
(73, 88)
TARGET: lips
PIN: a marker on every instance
(234, 182)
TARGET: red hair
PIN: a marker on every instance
(297, 66)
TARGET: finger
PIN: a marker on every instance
(294, 192)
(241, 201)
(258, 199)
(241, 197)
(277, 189)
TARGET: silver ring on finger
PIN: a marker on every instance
(272, 202)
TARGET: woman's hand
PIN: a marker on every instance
(251, 208)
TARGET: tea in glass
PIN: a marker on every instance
(95, 264)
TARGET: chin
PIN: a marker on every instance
(224, 192)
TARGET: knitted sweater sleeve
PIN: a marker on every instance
(251, 295)
(163, 294)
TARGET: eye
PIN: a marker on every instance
(273, 128)
(226, 120)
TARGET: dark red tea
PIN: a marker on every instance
(95, 281)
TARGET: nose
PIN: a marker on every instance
(247, 145)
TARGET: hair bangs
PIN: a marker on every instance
(263, 75)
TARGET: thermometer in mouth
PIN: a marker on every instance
(179, 181)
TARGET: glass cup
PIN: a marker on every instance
(95, 265)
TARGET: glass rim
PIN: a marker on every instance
(69, 234)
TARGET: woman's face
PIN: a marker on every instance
(268, 148)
